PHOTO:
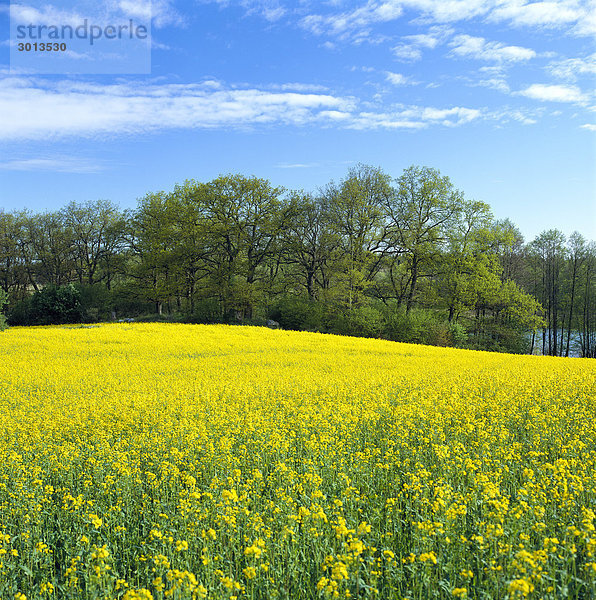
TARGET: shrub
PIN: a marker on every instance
(458, 334)
(56, 304)
(301, 314)
(416, 326)
(363, 321)
(500, 338)
(126, 302)
(20, 313)
(96, 302)
(207, 311)
(3, 302)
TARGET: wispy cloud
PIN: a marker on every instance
(354, 20)
(161, 12)
(407, 52)
(39, 109)
(553, 93)
(524, 116)
(449, 11)
(298, 87)
(550, 14)
(270, 10)
(572, 69)
(412, 46)
(297, 165)
(493, 77)
(48, 14)
(415, 117)
(577, 16)
(468, 46)
(398, 79)
(57, 164)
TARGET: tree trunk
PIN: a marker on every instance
(412, 285)
(562, 336)
(573, 277)
(310, 284)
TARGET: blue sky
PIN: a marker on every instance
(497, 94)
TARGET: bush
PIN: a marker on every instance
(499, 338)
(125, 301)
(458, 335)
(301, 314)
(363, 321)
(55, 305)
(96, 302)
(206, 311)
(419, 326)
(20, 313)
(3, 302)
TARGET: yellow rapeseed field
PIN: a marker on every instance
(186, 461)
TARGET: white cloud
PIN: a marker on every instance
(161, 11)
(589, 127)
(407, 52)
(298, 87)
(571, 69)
(63, 164)
(492, 77)
(523, 116)
(411, 47)
(33, 109)
(349, 21)
(495, 83)
(448, 11)
(274, 14)
(415, 117)
(424, 40)
(335, 115)
(553, 93)
(296, 165)
(270, 10)
(141, 9)
(397, 78)
(541, 14)
(587, 24)
(48, 14)
(576, 16)
(476, 47)
(579, 15)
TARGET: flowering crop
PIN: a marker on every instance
(179, 461)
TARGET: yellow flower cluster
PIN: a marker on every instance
(154, 461)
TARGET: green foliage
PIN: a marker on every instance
(96, 302)
(55, 305)
(364, 321)
(207, 311)
(20, 312)
(300, 314)
(3, 302)
(356, 258)
(458, 335)
(496, 337)
(127, 302)
(417, 326)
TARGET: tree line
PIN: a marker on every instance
(406, 258)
